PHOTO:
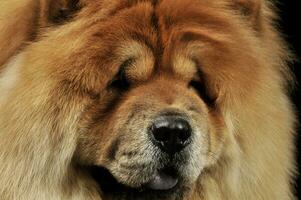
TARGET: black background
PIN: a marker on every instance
(290, 14)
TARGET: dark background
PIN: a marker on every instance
(290, 13)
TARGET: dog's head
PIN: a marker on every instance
(144, 87)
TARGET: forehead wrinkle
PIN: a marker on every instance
(127, 4)
(157, 47)
(183, 29)
(140, 38)
(150, 37)
(202, 35)
(158, 52)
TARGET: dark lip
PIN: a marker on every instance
(170, 170)
(104, 179)
(109, 185)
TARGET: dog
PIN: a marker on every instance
(144, 99)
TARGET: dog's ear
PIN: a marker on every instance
(21, 20)
(57, 11)
(250, 9)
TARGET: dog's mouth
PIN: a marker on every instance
(164, 183)
(164, 179)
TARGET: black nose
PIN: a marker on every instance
(171, 133)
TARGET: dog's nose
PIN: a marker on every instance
(171, 133)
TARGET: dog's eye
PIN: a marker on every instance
(203, 92)
(121, 81)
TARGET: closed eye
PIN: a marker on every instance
(203, 91)
(121, 81)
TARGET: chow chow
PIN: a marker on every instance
(144, 100)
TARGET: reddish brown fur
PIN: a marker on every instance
(60, 112)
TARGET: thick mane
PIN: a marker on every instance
(40, 132)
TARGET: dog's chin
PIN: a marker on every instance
(165, 185)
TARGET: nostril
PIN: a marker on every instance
(184, 136)
(162, 134)
(171, 133)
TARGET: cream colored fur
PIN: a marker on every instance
(257, 162)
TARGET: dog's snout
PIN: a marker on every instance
(171, 133)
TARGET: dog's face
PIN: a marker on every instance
(146, 85)
(153, 125)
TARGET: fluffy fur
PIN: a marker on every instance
(61, 111)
